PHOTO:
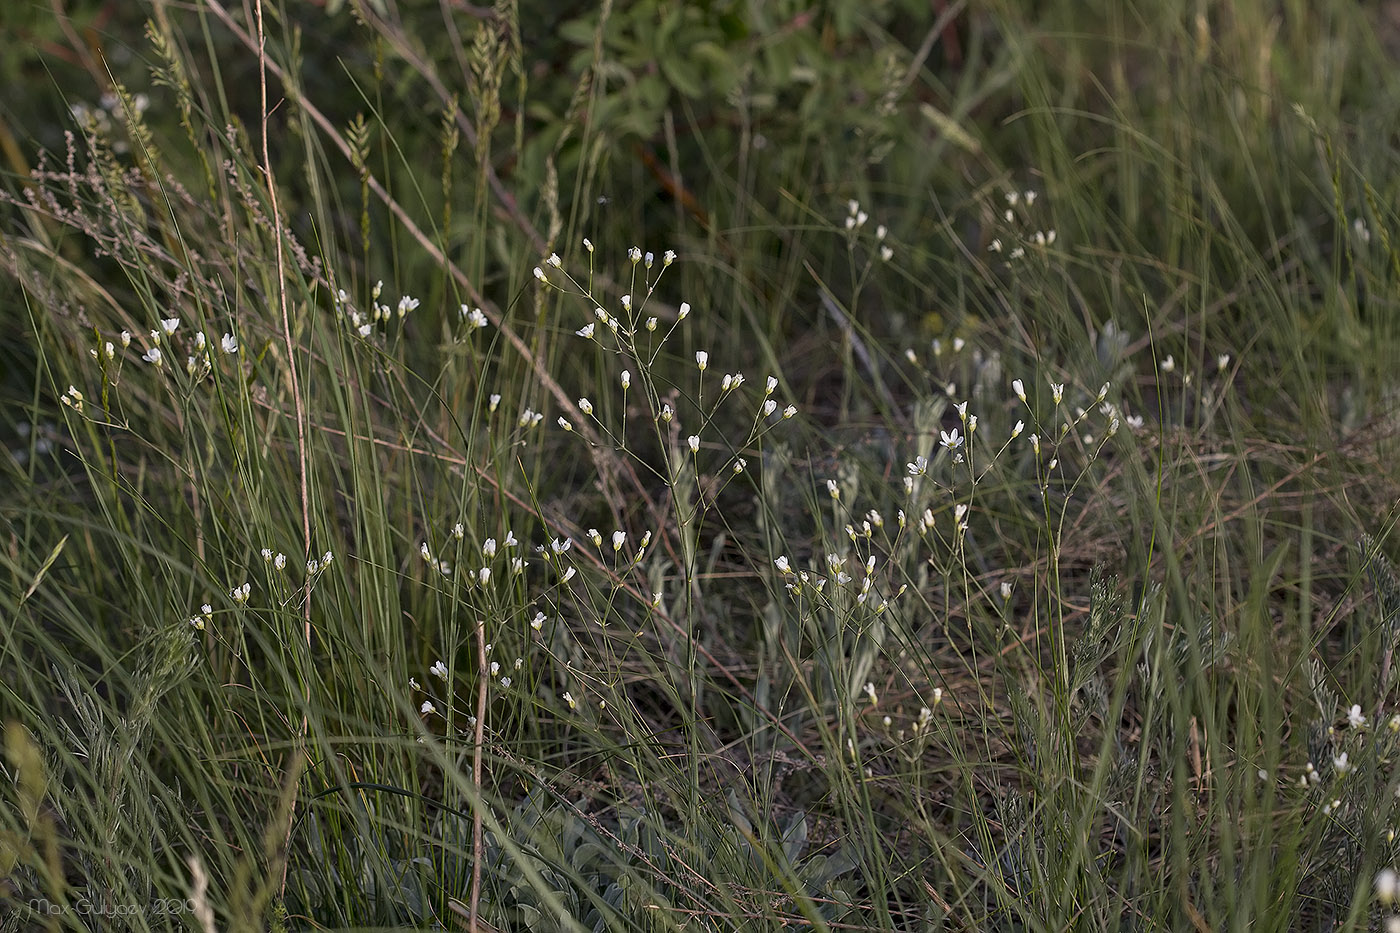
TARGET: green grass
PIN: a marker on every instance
(818, 649)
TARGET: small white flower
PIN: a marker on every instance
(438, 670)
(475, 317)
(126, 339)
(1341, 764)
(229, 343)
(407, 304)
(769, 407)
(280, 561)
(152, 356)
(783, 565)
(564, 423)
(950, 439)
(626, 379)
(1169, 364)
(1222, 362)
(918, 467)
(618, 538)
(538, 621)
(1019, 388)
(539, 274)
(770, 385)
(635, 255)
(1016, 431)
(1355, 718)
(585, 406)
(559, 547)
(586, 331)
(870, 692)
(740, 464)
(666, 413)
(789, 411)
(668, 257)
(1005, 589)
(488, 547)
(427, 709)
(169, 324)
(833, 489)
(1057, 391)
(1387, 886)
(588, 244)
(493, 402)
(693, 442)
(554, 260)
(569, 699)
(683, 311)
(267, 554)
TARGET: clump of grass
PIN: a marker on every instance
(1001, 540)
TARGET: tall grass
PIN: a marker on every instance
(682, 468)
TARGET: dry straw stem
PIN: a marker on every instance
(295, 390)
(483, 679)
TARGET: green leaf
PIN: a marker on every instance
(795, 837)
(39, 577)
